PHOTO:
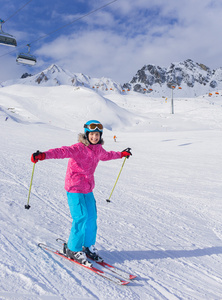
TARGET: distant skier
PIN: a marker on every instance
(79, 184)
(6, 118)
(114, 138)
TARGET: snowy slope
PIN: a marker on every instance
(164, 221)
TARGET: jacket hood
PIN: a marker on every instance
(82, 139)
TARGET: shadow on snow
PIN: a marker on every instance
(161, 254)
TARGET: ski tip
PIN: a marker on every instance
(132, 277)
(123, 282)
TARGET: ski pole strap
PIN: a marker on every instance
(27, 206)
(108, 200)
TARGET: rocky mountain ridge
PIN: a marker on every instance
(193, 78)
(188, 78)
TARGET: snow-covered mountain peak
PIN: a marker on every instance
(190, 78)
(193, 79)
(54, 68)
(54, 75)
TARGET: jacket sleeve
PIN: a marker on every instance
(109, 155)
(63, 152)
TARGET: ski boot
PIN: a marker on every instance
(78, 256)
(92, 252)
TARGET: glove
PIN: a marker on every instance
(37, 156)
(126, 153)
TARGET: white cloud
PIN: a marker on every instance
(117, 41)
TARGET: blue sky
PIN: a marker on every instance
(115, 41)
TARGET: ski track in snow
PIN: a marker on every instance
(164, 220)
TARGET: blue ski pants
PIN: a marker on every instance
(84, 226)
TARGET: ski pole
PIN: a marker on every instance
(108, 200)
(27, 206)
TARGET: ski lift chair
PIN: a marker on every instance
(6, 38)
(26, 58)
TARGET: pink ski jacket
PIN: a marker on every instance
(83, 160)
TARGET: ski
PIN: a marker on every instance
(113, 269)
(92, 269)
(117, 271)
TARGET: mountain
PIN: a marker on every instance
(192, 79)
(189, 78)
(55, 76)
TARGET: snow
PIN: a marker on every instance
(164, 220)
(56, 76)
(194, 80)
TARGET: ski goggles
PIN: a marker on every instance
(94, 126)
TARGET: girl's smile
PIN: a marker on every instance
(94, 137)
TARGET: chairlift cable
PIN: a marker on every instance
(17, 11)
(7, 39)
(48, 34)
(89, 13)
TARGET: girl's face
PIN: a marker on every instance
(94, 137)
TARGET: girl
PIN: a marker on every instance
(79, 184)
